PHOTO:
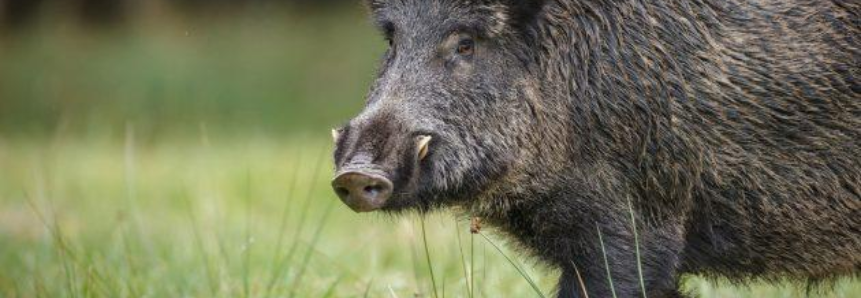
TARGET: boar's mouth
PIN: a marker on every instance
(365, 186)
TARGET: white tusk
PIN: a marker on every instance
(335, 135)
(423, 146)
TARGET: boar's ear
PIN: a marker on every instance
(524, 12)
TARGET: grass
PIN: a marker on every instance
(606, 262)
(428, 257)
(96, 218)
(209, 221)
(518, 267)
(636, 248)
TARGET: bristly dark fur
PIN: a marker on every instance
(733, 127)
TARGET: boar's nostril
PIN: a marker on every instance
(341, 191)
(362, 192)
(371, 191)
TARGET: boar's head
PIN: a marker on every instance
(453, 111)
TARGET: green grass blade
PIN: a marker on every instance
(516, 266)
(330, 291)
(606, 261)
(246, 263)
(130, 271)
(580, 280)
(368, 289)
(466, 275)
(428, 257)
(294, 178)
(637, 247)
(392, 291)
(442, 284)
(281, 265)
(198, 240)
(471, 265)
(62, 250)
(285, 214)
(414, 257)
(307, 257)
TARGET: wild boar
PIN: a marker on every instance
(731, 129)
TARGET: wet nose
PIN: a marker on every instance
(362, 192)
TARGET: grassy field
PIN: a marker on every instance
(250, 217)
(189, 157)
(227, 218)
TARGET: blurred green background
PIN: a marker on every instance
(181, 149)
(272, 66)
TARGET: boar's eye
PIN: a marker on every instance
(465, 47)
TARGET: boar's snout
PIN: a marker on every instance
(379, 156)
(363, 192)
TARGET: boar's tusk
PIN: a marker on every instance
(423, 146)
(335, 135)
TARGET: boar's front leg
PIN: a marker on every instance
(584, 233)
(587, 273)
